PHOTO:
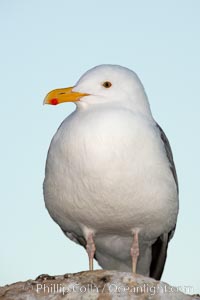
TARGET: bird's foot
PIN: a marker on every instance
(90, 247)
(135, 251)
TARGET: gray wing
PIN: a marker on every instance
(75, 238)
(159, 248)
(169, 154)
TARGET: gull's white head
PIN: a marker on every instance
(104, 84)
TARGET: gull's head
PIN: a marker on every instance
(103, 84)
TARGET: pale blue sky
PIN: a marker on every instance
(49, 44)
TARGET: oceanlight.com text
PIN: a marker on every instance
(112, 288)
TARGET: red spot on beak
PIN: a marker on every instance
(54, 101)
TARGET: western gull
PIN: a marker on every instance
(110, 179)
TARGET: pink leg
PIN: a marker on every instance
(90, 247)
(135, 251)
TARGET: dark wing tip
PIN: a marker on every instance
(159, 255)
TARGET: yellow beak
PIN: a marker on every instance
(63, 95)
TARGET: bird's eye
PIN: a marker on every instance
(107, 84)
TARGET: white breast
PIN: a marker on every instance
(107, 170)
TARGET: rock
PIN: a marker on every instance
(99, 284)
